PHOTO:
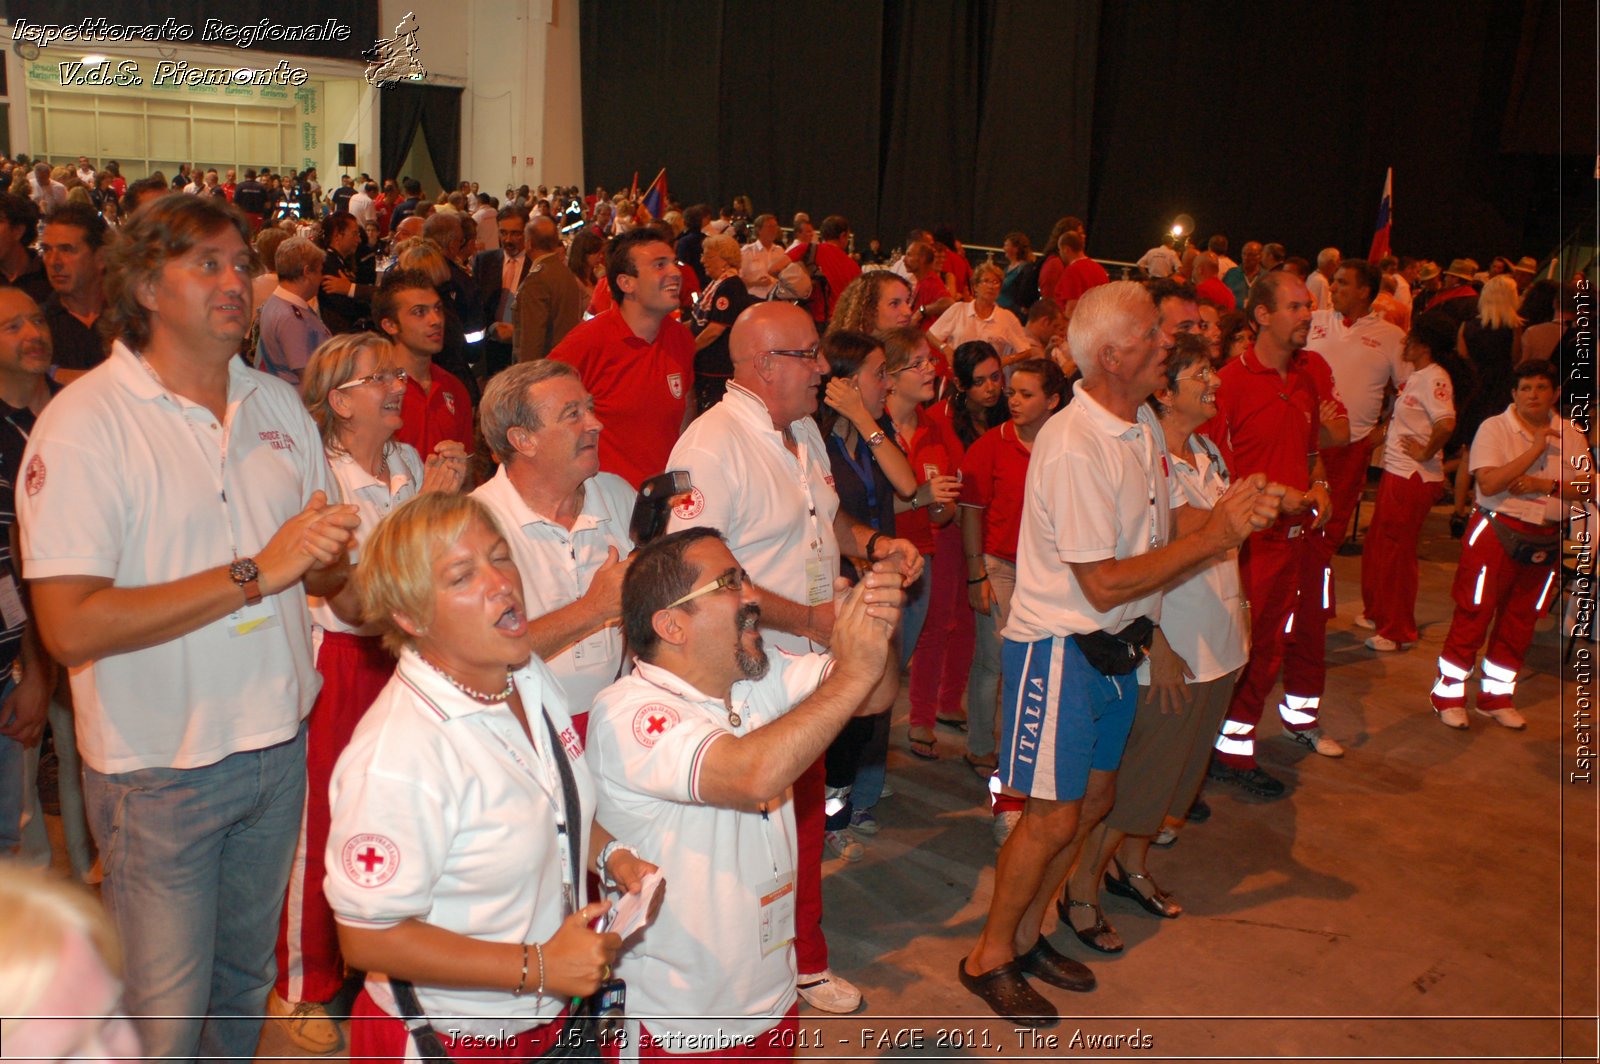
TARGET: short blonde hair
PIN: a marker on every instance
(333, 364)
(420, 253)
(37, 914)
(395, 574)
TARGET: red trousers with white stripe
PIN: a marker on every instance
(1389, 557)
(1288, 586)
(1497, 597)
(354, 670)
(1346, 469)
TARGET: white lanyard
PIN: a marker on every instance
(205, 450)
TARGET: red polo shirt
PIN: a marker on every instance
(640, 389)
(443, 412)
(994, 475)
(933, 448)
(1080, 275)
(1267, 422)
(927, 292)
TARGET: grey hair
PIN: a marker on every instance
(1105, 317)
(506, 403)
(295, 256)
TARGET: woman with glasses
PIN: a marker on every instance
(870, 473)
(982, 318)
(1200, 646)
(353, 389)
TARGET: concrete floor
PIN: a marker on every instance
(1429, 897)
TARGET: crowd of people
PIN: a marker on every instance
(330, 505)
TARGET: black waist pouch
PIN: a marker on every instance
(1118, 653)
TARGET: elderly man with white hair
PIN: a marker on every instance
(1103, 531)
(1320, 283)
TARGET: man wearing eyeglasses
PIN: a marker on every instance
(761, 475)
(567, 523)
(694, 756)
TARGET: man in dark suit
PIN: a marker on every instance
(550, 302)
(498, 273)
(345, 302)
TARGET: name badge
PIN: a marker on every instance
(777, 914)
(251, 619)
(593, 651)
(819, 582)
(11, 609)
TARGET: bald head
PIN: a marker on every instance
(1205, 266)
(786, 382)
(410, 227)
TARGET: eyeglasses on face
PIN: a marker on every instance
(384, 377)
(733, 580)
(807, 353)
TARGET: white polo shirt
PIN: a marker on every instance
(1503, 437)
(442, 811)
(373, 500)
(1364, 357)
(557, 567)
(1001, 328)
(700, 969)
(775, 510)
(124, 480)
(1204, 617)
(1098, 487)
(1426, 399)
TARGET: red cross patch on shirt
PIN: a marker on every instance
(653, 721)
(370, 860)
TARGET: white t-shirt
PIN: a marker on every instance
(775, 510)
(1159, 261)
(1204, 618)
(1364, 357)
(557, 567)
(442, 811)
(1317, 285)
(125, 481)
(373, 501)
(1426, 399)
(1098, 488)
(700, 969)
(756, 266)
(488, 228)
(1001, 328)
(1503, 437)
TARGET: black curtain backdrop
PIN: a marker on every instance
(435, 111)
(1264, 121)
(360, 15)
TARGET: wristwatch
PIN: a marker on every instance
(876, 438)
(247, 575)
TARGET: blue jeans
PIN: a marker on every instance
(868, 788)
(196, 862)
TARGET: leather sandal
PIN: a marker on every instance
(923, 745)
(1157, 903)
(1092, 936)
(1005, 991)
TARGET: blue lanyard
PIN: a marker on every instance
(864, 469)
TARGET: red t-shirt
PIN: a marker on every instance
(928, 291)
(932, 449)
(1267, 423)
(1217, 292)
(840, 269)
(994, 476)
(1050, 275)
(444, 412)
(1080, 275)
(640, 389)
(957, 266)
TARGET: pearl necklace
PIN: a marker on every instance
(476, 696)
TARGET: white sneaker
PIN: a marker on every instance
(1004, 823)
(844, 845)
(1454, 717)
(1506, 718)
(1363, 621)
(307, 1024)
(827, 992)
(1384, 645)
(1314, 740)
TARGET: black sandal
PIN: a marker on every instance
(1157, 903)
(1093, 935)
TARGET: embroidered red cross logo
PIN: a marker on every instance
(657, 724)
(370, 859)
